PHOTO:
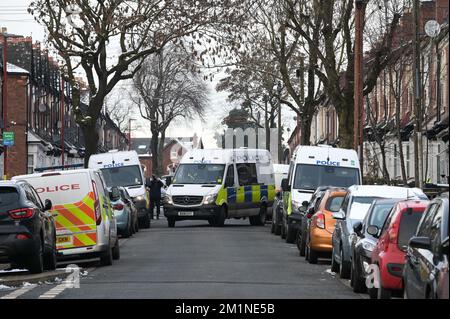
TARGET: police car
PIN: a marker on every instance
(218, 184)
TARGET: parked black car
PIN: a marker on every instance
(425, 274)
(306, 217)
(363, 243)
(27, 228)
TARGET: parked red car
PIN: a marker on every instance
(390, 251)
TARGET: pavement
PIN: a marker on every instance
(195, 260)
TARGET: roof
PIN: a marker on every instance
(385, 191)
(14, 69)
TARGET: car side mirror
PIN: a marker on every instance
(302, 209)
(305, 203)
(373, 230)
(357, 227)
(310, 212)
(420, 243)
(48, 205)
(339, 215)
(285, 185)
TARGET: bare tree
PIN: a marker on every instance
(120, 110)
(83, 33)
(168, 87)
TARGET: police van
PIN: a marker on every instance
(217, 184)
(84, 219)
(124, 169)
(311, 167)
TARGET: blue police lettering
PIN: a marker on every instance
(329, 163)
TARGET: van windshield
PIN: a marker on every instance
(310, 177)
(124, 176)
(199, 174)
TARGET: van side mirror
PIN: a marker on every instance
(420, 243)
(168, 180)
(285, 185)
(114, 193)
(48, 205)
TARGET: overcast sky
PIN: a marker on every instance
(14, 16)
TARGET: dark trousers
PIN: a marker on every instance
(155, 202)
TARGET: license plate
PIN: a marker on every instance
(64, 240)
(185, 213)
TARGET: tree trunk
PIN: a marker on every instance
(345, 117)
(385, 170)
(161, 170)
(306, 130)
(90, 140)
(400, 144)
(155, 151)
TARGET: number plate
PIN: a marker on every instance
(185, 213)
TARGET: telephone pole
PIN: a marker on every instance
(417, 98)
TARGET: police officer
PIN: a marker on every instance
(155, 186)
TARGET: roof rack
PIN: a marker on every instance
(61, 167)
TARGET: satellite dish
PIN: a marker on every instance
(432, 28)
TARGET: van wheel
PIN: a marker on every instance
(116, 250)
(211, 222)
(106, 257)
(272, 226)
(136, 226)
(35, 262)
(145, 221)
(283, 231)
(171, 222)
(220, 219)
(260, 219)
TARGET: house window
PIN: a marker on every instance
(30, 164)
(407, 160)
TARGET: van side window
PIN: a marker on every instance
(229, 181)
(247, 174)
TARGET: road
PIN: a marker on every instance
(195, 260)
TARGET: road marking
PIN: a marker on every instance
(19, 292)
(54, 292)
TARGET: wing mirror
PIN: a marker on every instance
(357, 228)
(114, 193)
(339, 215)
(48, 205)
(373, 230)
(310, 212)
(168, 180)
(420, 243)
(285, 185)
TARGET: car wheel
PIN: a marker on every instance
(313, 256)
(272, 226)
(383, 293)
(344, 267)
(283, 230)
(301, 244)
(106, 257)
(50, 259)
(116, 250)
(334, 263)
(35, 262)
(136, 226)
(171, 222)
(290, 235)
(373, 293)
(127, 232)
(145, 221)
(357, 282)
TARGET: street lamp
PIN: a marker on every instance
(280, 132)
(129, 133)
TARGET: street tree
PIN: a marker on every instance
(168, 87)
(108, 41)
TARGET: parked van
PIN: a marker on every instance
(124, 169)
(311, 167)
(85, 222)
(217, 184)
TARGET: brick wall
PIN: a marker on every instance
(17, 112)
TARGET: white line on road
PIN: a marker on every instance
(54, 292)
(19, 292)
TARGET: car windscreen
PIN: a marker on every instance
(8, 195)
(312, 176)
(199, 174)
(359, 207)
(378, 214)
(408, 226)
(124, 176)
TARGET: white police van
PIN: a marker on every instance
(216, 184)
(124, 169)
(311, 167)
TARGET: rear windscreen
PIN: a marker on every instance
(125, 176)
(408, 225)
(8, 195)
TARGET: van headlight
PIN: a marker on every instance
(168, 199)
(139, 198)
(210, 199)
(368, 246)
(295, 206)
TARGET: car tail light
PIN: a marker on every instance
(98, 212)
(118, 206)
(21, 213)
(320, 220)
(23, 236)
